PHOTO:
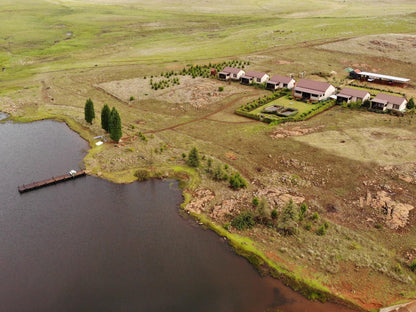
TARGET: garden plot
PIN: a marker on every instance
(198, 92)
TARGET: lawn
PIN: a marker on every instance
(284, 101)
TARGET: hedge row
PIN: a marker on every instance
(246, 110)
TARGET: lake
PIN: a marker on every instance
(92, 245)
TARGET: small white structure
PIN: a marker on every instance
(280, 82)
(72, 172)
(348, 95)
(313, 90)
(254, 77)
(231, 73)
(385, 101)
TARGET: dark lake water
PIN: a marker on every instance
(91, 245)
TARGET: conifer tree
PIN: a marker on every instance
(193, 158)
(89, 111)
(410, 104)
(115, 125)
(105, 118)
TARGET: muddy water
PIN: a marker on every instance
(90, 245)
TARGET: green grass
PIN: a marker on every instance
(35, 33)
(284, 101)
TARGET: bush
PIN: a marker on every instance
(220, 89)
(219, 174)
(237, 181)
(142, 174)
(287, 221)
(261, 211)
(255, 201)
(302, 211)
(321, 230)
(244, 220)
(410, 104)
(131, 98)
(274, 214)
(413, 265)
(315, 216)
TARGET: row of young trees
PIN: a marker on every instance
(110, 119)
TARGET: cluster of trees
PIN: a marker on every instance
(110, 119)
(111, 122)
(218, 173)
(287, 222)
(200, 70)
(164, 83)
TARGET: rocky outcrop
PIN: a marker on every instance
(396, 213)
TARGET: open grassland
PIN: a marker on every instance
(347, 165)
(42, 36)
(384, 145)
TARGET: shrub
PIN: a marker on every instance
(220, 89)
(142, 174)
(274, 214)
(410, 104)
(398, 268)
(255, 201)
(261, 211)
(308, 226)
(413, 265)
(321, 230)
(219, 174)
(244, 220)
(131, 98)
(302, 211)
(315, 216)
(287, 221)
(237, 181)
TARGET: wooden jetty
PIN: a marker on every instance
(53, 180)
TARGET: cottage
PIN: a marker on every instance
(253, 76)
(313, 90)
(387, 101)
(348, 95)
(231, 73)
(279, 82)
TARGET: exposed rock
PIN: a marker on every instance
(284, 132)
(202, 197)
(396, 214)
(226, 207)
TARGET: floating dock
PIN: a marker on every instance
(54, 180)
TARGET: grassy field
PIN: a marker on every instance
(347, 165)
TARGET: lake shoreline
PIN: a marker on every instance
(188, 179)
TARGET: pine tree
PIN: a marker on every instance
(193, 158)
(105, 118)
(115, 125)
(410, 104)
(89, 111)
